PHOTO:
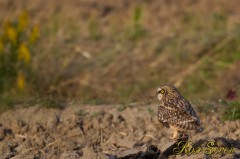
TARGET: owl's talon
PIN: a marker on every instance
(175, 135)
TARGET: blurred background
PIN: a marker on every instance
(104, 51)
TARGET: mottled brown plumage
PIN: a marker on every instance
(175, 112)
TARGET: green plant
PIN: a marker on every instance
(52, 103)
(121, 107)
(232, 110)
(6, 103)
(16, 40)
(138, 31)
(151, 111)
(219, 21)
(93, 29)
(81, 113)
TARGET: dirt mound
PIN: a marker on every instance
(101, 132)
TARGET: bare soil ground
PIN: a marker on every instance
(101, 131)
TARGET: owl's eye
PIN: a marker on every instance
(162, 91)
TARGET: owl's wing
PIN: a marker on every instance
(172, 118)
(186, 108)
(183, 107)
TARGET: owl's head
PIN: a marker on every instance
(167, 91)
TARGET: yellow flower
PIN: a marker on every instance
(24, 53)
(23, 21)
(34, 34)
(11, 34)
(20, 81)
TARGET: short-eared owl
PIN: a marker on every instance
(176, 112)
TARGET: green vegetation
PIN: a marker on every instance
(151, 112)
(122, 107)
(94, 31)
(232, 110)
(51, 103)
(137, 28)
(81, 113)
